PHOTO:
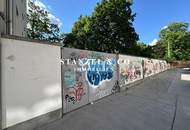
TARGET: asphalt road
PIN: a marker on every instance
(159, 103)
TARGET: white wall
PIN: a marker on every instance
(31, 80)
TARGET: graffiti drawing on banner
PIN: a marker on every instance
(95, 55)
(130, 72)
(69, 78)
(116, 88)
(83, 54)
(148, 67)
(75, 93)
(99, 72)
(74, 56)
(156, 67)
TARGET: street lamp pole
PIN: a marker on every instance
(169, 53)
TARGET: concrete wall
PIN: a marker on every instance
(31, 80)
(148, 67)
(75, 93)
(153, 66)
(84, 83)
(32, 76)
(133, 68)
(101, 82)
(130, 69)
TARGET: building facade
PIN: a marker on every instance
(13, 17)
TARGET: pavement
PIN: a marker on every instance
(161, 102)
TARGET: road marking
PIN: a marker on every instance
(185, 77)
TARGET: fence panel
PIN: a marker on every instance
(86, 80)
(130, 69)
(101, 81)
(148, 67)
(75, 88)
(157, 66)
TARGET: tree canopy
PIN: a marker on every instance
(108, 29)
(175, 39)
(39, 25)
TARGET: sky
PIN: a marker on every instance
(151, 15)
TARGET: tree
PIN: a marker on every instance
(80, 34)
(143, 50)
(175, 39)
(39, 25)
(108, 29)
(158, 51)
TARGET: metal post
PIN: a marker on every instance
(62, 99)
(143, 68)
(0, 89)
(117, 58)
(169, 53)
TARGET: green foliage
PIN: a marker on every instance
(174, 27)
(39, 25)
(158, 50)
(79, 38)
(175, 39)
(108, 29)
(143, 50)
